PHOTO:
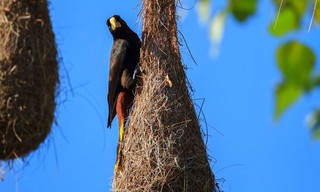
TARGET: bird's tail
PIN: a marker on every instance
(118, 165)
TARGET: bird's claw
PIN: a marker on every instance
(138, 70)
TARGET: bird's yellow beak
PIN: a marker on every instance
(114, 23)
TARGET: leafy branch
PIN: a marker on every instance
(295, 60)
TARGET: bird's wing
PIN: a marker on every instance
(117, 64)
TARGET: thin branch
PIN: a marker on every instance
(314, 10)
(275, 24)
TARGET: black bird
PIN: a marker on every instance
(124, 61)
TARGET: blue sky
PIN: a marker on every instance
(250, 152)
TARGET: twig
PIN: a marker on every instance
(314, 10)
(275, 24)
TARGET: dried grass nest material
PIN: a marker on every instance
(28, 76)
(163, 149)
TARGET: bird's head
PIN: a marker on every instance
(116, 25)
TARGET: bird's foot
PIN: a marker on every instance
(137, 71)
(118, 165)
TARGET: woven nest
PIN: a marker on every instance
(163, 148)
(28, 76)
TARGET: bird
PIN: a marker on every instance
(124, 67)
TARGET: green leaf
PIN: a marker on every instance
(296, 62)
(314, 123)
(300, 6)
(316, 133)
(286, 95)
(289, 15)
(242, 9)
(204, 9)
(317, 80)
(317, 13)
(286, 21)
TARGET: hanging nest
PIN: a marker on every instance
(163, 149)
(28, 76)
